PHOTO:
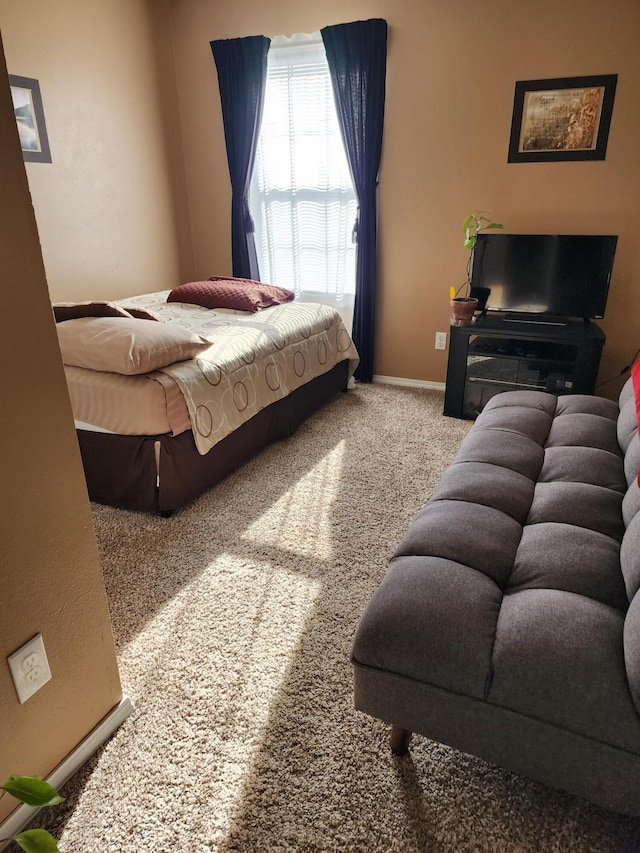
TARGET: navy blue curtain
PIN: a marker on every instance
(242, 74)
(357, 57)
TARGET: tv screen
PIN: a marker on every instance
(557, 275)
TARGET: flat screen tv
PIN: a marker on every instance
(559, 276)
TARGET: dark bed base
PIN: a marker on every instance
(120, 470)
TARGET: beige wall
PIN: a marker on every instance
(138, 194)
(110, 208)
(137, 198)
(50, 571)
(451, 72)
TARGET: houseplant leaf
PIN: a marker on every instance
(32, 791)
(467, 222)
(37, 841)
(471, 225)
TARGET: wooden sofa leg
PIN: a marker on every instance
(400, 740)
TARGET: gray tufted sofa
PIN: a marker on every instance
(508, 623)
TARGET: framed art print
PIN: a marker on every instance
(565, 118)
(27, 105)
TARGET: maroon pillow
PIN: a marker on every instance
(63, 311)
(74, 310)
(242, 294)
(142, 314)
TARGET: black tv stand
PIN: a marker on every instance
(502, 354)
(557, 321)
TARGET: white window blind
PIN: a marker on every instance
(301, 197)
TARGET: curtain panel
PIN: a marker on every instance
(242, 72)
(357, 57)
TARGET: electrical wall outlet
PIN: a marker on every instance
(29, 668)
(441, 340)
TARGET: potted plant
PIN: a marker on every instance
(37, 793)
(463, 307)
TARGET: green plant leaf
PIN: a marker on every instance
(494, 225)
(467, 223)
(37, 841)
(32, 791)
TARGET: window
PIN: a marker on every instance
(301, 197)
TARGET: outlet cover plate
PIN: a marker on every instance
(29, 668)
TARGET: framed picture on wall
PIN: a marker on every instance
(565, 118)
(27, 105)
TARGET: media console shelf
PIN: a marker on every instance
(495, 354)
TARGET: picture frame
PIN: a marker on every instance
(27, 105)
(562, 118)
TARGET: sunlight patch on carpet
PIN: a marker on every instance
(220, 649)
(260, 608)
(300, 521)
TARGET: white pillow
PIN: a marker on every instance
(123, 345)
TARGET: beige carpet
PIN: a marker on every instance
(234, 622)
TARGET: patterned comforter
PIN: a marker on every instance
(254, 358)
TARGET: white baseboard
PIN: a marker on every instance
(411, 383)
(23, 815)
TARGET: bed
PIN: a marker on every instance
(154, 439)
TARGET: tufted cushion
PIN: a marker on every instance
(559, 657)
(484, 538)
(580, 505)
(523, 421)
(626, 393)
(584, 465)
(573, 559)
(632, 459)
(509, 450)
(584, 430)
(529, 400)
(632, 649)
(631, 503)
(489, 485)
(630, 557)
(585, 403)
(433, 620)
(627, 423)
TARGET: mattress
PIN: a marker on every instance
(149, 404)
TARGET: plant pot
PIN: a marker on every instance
(462, 308)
